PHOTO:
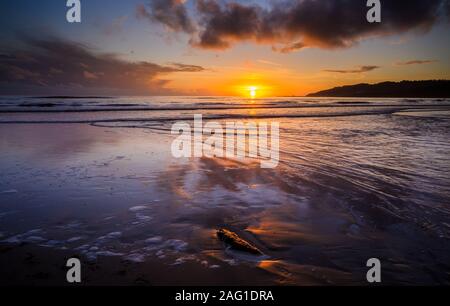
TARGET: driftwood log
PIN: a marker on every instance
(237, 243)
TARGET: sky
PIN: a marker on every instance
(211, 47)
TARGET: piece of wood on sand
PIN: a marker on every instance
(237, 243)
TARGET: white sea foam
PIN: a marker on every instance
(137, 208)
(10, 191)
(30, 237)
(154, 240)
(74, 239)
(135, 257)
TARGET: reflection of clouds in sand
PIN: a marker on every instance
(242, 195)
(225, 178)
(292, 224)
(306, 275)
(209, 193)
(55, 142)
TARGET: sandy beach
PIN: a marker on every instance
(347, 188)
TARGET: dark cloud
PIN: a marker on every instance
(187, 68)
(361, 69)
(55, 63)
(292, 25)
(221, 25)
(288, 48)
(171, 13)
(447, 7)
(416, 62)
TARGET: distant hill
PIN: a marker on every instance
(404, 89)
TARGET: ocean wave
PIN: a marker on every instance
(140, 116)
(98, 122)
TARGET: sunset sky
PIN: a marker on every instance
(205, 47)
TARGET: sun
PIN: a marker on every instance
(252, 91)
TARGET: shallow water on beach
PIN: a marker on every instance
(358, 178)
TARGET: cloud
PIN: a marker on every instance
(170, 13)
(447, 6)
(52, 63)
(361, 69)
(293, 25)
(266, 62)
(222, 25)
(288, 48)
(416, 62)
(187, 68)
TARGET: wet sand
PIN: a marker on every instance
(29, 265)
(347, 189)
